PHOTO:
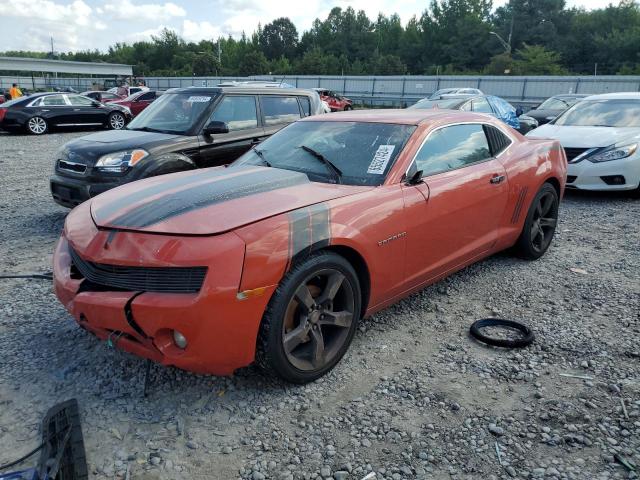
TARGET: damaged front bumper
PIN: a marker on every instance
(219, 327)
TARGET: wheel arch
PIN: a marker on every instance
(555, 183)
(359, 264)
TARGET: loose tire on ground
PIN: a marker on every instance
(526, 338)
(540, 224)
(311, 319)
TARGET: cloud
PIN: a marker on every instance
(196, 31)
(77, 12)
(127, 11)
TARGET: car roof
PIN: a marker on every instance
(571, 95)
(240, 88)
(400, 116)
(615, 96)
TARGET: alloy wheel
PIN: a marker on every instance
(116, 121)
(37, 125)
(543, 224)
(318, 320)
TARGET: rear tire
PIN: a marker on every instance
(116, 121)
(311, 319)
(37, 126)
(540, 224)
(347, 108)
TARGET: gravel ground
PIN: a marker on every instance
(415, 397)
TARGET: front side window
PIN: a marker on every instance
(173, 113)
(481, 105)
(602, 113)
(278, 110)
(53, 100)
(147, 96)
(452, 147)
(238, 112)
(79, 101)
(363, 152)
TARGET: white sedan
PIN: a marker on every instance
(600, 136)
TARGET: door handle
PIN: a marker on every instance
(496, 179)
(76, 109)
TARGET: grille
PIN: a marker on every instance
(574, 152)
(141, 279)
(571, 178)
(71, 166)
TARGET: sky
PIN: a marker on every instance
(97, 24)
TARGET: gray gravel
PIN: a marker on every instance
(415, 397)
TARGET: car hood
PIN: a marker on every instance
(543, 114)
(211, 201)
(585, 137)
(89, 148)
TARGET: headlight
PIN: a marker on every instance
(614, 153)
(119, 162)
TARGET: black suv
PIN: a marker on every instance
(184, 129)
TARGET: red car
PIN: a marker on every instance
(274, 259)
(102, 97)
(138, 101)
(337, 103)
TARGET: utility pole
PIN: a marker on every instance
(595, 69)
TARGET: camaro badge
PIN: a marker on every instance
(391, 238)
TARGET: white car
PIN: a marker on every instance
(601, 136)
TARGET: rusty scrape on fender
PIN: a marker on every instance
(309, 231)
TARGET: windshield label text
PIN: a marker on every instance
(381, 159)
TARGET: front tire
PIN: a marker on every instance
(311, 319)
(116, 121)
(540, 224)
(37, 126)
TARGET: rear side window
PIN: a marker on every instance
(306, 105)
(53, 100)
(238, 112)
(498, 141)
(453, 147)
(147, 96)
(278, 110)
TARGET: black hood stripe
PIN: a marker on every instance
(103, 213)
(309, 231)
(207, 194)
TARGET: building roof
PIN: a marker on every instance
(20, 64)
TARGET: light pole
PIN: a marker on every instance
(506, 45)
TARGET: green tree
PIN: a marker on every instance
(254, 63)
(537, 60)
(279, 39)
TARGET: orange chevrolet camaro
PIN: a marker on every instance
(275, 258)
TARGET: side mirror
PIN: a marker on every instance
(215, 127)
(96, 104)
(415, 179)
(519, 111)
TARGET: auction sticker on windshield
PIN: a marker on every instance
(381, 159)
(195, 99)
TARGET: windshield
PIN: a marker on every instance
(452, 103)
(172, 113)
(602, 113)
(557, 103)
(362, 153)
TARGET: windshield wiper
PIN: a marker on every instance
(154, 130)
(337, 173)
(260, 154)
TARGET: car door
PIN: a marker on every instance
(86, 111)
(278, 111)
(142, 102)
(240, 113)
(453, 214)
(55, 109)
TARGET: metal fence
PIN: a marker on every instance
(386, 90)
